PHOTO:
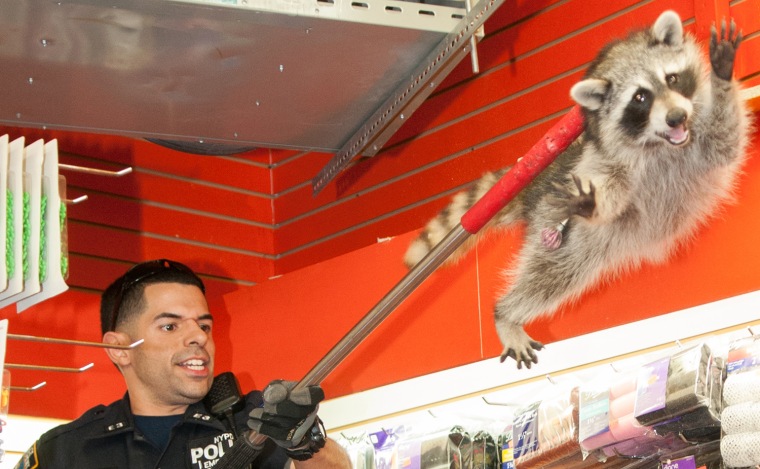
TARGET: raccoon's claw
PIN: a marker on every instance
(585, 202)
(518, 345)
(527, 356)
(723, 49)
(567, 202)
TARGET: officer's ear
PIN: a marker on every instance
(120, 357)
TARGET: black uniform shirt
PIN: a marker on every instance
(106, 437)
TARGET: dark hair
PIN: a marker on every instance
(123, 299)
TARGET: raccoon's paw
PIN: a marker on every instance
(519, 346)
(570, 202)
(723, 49)
(584, 203)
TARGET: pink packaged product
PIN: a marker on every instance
(607, 424)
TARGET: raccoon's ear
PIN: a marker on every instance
(668, 29)
(590, 92)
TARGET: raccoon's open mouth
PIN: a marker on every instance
(677, 135)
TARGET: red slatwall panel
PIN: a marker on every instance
(241, 220)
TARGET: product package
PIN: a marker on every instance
(607, 421)
(485, 452)
(702, 424)
(51, 252)
(743, 355)
(384, 444)
(702, 455)
(14, 221)
(4, 207)
(740, 440)
(546, 431)
(360, 450)
(608, 427)
(506, 449)
(680, 393)
(448, 449)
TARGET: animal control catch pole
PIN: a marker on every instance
(546, 150)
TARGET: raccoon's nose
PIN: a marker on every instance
(675, 117)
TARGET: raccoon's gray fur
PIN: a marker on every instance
(664, 140)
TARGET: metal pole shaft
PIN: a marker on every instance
(517, 178)
(373, 318)
(385, 306)
(538, 158)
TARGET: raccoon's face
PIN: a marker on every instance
(659, 106)
(642, 90)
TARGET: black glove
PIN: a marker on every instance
(288, 417)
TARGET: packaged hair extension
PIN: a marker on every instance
(741, 449)
(360, 450)
(703, 455)
(63, 224)
(607, 420)
(546, 431)
(631, 439)
(14, 221)
(447, 449)
(485, 453)
(743, 355)
(594, 416)
(742, 387)
(506, 449)
(4, 154)
(384, 443)
(50, 251)
(740, 419)
(675, 385)
(701, 423)
(33, 158)
(31, 221)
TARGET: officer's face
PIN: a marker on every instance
(175, 364)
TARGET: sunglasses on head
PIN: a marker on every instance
(140, 273)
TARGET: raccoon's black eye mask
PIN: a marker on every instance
(684, 82)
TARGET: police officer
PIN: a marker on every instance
(162, 421)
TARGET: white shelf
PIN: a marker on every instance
(582, 357)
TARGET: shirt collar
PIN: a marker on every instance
(118, 418)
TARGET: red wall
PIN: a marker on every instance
(443, 324)
(281, 328)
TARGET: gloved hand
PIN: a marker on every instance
(287, 416)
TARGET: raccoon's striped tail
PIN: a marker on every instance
(449, 217)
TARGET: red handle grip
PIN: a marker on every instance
(546, 150)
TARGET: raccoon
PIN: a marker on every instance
(663, 142)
